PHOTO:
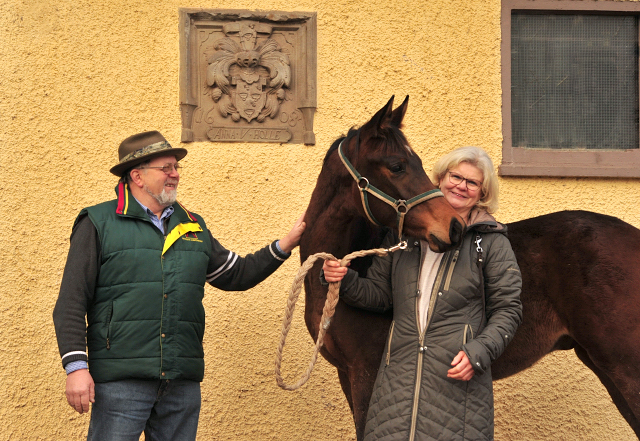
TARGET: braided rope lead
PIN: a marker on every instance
(327, 312)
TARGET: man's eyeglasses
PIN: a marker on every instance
(168, 168)
(456, 179)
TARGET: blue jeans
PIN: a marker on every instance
(164, 409)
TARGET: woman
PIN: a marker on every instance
(454, 314)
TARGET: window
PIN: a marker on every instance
(570, 88)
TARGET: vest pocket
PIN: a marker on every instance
(109, 320)
(393, 323)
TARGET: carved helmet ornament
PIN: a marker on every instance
(248, 81)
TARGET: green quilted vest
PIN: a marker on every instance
(147, 320)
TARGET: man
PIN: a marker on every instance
(136, 269)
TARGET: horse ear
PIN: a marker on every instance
(398, 115)
(381, 117)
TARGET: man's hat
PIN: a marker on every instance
(142, 147)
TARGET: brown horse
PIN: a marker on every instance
(581, 271)
(336, 224)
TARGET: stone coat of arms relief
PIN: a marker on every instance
(247, 81)
(247, 76)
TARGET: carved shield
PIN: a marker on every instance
(249, 99)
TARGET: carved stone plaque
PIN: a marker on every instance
(247, 76)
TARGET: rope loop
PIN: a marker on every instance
(327, 312)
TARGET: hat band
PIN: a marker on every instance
(144, 151)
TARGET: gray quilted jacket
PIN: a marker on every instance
(412, 398)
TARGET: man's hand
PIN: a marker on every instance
(292, 239)
(80, 390)
(462, 369)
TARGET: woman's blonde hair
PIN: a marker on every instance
(474, 156)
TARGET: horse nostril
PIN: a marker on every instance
(455, 231)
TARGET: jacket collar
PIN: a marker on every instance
(480, 220)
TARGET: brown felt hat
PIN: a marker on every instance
(142, 147)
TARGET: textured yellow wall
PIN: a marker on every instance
(78, 76)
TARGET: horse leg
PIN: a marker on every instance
(359, 414)
(360, 381)
(618, 398)
(343, 376)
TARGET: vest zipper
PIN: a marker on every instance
(109, 327)
(421, 348)
(162, 310)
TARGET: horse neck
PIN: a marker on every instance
(330, 214)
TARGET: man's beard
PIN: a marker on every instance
(166, 197)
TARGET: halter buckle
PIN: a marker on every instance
(401, 206)
(362, 180)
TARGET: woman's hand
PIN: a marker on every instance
(333, 272)
(462, 369)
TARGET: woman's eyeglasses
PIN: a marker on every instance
(456, 179)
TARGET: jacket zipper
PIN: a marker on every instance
(393, 323)
(421, 348)
(447, 281)
(467, 328)
(422, 256)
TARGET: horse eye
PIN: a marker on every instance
(396, 168)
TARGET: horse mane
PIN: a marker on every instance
(352, 132)
(388, 140)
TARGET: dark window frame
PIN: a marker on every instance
(522, 161)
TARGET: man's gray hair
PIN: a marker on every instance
(126, 177)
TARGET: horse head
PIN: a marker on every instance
(385, 166)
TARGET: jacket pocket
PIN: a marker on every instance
(393, 323)
(109, 320)
(468, 334)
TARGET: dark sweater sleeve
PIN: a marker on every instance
(230, 272)
(76, 292)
